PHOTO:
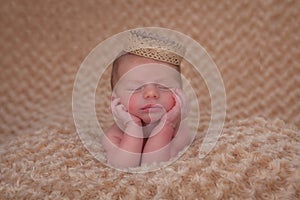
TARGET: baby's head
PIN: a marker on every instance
(145, 79)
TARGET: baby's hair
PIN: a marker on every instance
(115, 67)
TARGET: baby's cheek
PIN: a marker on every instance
(133, 103)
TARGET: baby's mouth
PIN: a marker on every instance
(151, 107)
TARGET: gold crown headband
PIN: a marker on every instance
(154, 46)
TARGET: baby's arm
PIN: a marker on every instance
(157, 148)
(182, 139)
(122, 150)
(161, 147)
(123, 146)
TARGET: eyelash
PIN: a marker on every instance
(164, 88)
(135, 89)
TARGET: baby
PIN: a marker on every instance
(149, 108)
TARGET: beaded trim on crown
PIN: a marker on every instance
(154, 46)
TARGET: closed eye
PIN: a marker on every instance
(162, 87)
(132, 89)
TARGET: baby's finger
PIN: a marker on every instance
(115, 102)
(124, 108)
(120, 108)
(176, 108)
(177, 98)
(113, 106)
(177, 103)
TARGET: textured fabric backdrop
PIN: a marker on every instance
(255, 45)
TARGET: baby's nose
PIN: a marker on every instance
(150, 91)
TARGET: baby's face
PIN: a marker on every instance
(146, 87)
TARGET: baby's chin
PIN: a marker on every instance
(152, 118)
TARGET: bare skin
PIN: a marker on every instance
(149, 114)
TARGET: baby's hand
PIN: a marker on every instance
(121, 115)
(174, 116)
(179, 111)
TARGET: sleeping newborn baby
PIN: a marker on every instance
(149, 108)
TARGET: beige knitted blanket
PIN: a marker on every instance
(255, 45)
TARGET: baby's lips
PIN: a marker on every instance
(152, 105)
